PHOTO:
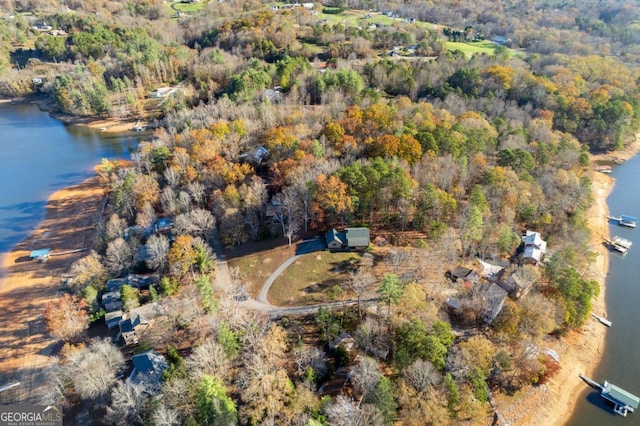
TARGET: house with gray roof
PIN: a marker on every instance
(147, 368)
(348, 239)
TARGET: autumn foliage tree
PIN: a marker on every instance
(66, 317)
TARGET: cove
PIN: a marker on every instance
(40, 155)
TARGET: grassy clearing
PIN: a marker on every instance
(188, 7)
(256, 268)
(473, 47)
(310, 278)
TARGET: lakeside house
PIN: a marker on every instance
(534, 247)
(348, 239)
(147, 369)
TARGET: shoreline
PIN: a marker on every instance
(108, 125)
(26, 285)
(580, 351)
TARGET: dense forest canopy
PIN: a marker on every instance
(463, 124)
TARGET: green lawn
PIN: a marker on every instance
(310, 279)
(472, 47)
(173, 7)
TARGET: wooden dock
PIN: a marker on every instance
(602, 320)
(590, 382)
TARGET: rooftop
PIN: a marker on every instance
(621, 395)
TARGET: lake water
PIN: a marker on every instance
(620, 364)
(39, 155)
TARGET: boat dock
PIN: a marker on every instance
(624, 220)
(602, 320)
(619, 244)
(623, 401)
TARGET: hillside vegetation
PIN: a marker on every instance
(448, 131)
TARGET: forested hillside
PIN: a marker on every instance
(448, 131)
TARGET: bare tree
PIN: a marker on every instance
(197, 222)
(129, 403)
(373, 337)
(92, 370)
(360, 282)
(422, 375)
(197, 192)
(365, 375)
(395, 258)
(344, 412)
(165, 416)
(115, 227)
(287, 213)
(168, 198)
(119, 255)
(208, 358)
(158, 250)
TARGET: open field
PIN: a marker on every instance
(472, 47)
(256, 268)
(310, 279)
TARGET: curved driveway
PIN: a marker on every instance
(261, 303)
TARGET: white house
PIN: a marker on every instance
(534, 247)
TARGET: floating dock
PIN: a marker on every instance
(623, 401)
(619, 244)
(624, 220)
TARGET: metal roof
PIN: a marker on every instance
(622, 395)
(37, 254)
(357, 237)
(150, 361)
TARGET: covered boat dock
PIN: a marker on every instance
(622, 400)
(41, 254)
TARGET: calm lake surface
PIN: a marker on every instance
(39, 155)
(621, 361)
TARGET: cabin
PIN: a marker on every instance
(112, 319)
(534, 247)
(114, 284)
(463, 274)
(493, 297)
(163, 224)
(623, 401)
(256, 156)
(111, 301)
(131, 327)
(519, 283)
(348, 239)
(42, 254)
